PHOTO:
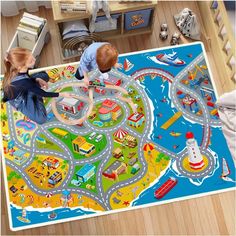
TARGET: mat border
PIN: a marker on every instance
(123, 209)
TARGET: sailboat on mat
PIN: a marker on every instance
(225, 171)
(128, 65)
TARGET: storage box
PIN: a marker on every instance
(102, 24)
(137, 19)
(43, 38)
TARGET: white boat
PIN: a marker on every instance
(225, 168)
(226, 171)
(168, 59)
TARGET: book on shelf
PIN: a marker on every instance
(72, 10)
(26, 38)
(28, 30)
(37, 18)
(74, 6)
(30, 23)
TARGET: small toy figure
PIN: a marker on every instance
(164, 27)
(163, 34)
(175, 39)
(188, 24)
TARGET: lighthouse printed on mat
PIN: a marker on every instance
(128, 65)
(195, 157)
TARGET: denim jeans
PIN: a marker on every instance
(30, 104)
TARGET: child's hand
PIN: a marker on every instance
(66, 95)
(118, 66)
(43, 84)
(86, 81)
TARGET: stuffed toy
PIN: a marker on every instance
(188, 24)
(96, 6)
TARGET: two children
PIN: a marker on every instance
(25, 92)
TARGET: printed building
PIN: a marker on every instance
(131, 141)
(51, 162)
(115, 169)
(85, 173)
(136, 119)
(119, 135)
(104, 114)
(117, 153)
(109, 111)
(196, 161)
(69, 105)
(81, 146)
(19, 157)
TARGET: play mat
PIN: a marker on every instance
(152, 135)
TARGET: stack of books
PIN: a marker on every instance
(73, 6)
(29, 29)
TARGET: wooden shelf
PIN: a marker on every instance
(116, 7)
(109, 34)
(144, 30)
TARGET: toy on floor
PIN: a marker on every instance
(188, 24)
(163, 34)
(175, 39)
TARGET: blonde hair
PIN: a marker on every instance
(15, 59)
(106, 57)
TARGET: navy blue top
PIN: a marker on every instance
(23, 83)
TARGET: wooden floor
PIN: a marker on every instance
(211, 215)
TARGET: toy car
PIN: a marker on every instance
(96, 83)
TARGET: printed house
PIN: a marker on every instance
(136, 119)
(81, 146)
(109, 111)
(104, 114)
(131, 141)
(85, 173)
(117, 153)
(115, 169)
(70, 105)
(51, 162)
(19, 157)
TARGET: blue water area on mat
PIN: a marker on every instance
(37, 217)
(218, 144)
(141, 61)
(26, 125)
(98, 123)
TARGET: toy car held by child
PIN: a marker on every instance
(96, 83)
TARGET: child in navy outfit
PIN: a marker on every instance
(22, 91)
